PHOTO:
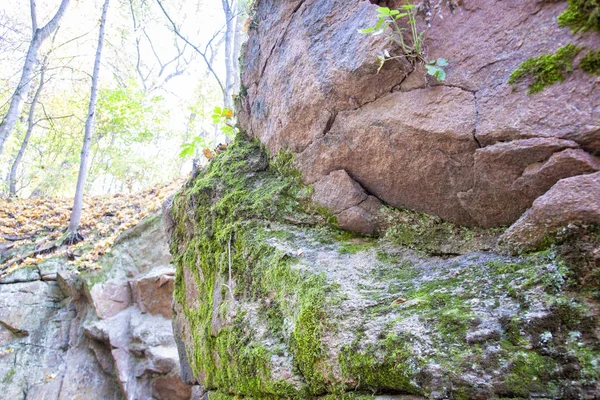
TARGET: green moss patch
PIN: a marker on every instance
(432, 235)
(590, 62)
(279, 305)
(581, 15)
(224, 219)
(546, 69)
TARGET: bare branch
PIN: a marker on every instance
(202, 54)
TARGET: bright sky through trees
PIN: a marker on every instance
(155, 92)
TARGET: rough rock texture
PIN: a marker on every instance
(472, 150)
(348, 201)
(104, 335)
(572, 201)
(272, 303)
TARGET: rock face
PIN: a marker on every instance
(472, 149)
(573, 200)
(104, 335)
(270, 302)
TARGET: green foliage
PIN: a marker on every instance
(581, 15)
(435, 68)
(126, 112)
(221, 117)
(546, 69)
(590, 62)
(411, 42)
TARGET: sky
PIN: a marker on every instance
(198, 20)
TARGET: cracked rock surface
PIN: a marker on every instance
(272, 303)
(103, 335)
(472, 149)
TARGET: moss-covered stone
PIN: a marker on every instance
(581, 15)
(432, 235)
(274, 303)
(590, 62)
(546, 69)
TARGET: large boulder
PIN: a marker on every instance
(473, 149)
(270, 302)
(572, 202)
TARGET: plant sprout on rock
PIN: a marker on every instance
(411, 41)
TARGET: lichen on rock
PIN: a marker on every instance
(272, 301)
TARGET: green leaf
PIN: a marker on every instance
(187, 150)
(431, 69)
(442, 62)
(378, 24)
(440, 75)
(366, 30)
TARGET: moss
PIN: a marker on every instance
(546, 69)
(8, 378)
(432, 235)
(355, 247)
(283, 310)
(590, 62)
(529, 373)
(386, 364)
(581, 15)
(232, 204)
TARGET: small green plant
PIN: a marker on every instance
(410, 40)
(222, 117)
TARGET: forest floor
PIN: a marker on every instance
(31, 230)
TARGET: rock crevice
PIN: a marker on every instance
(405, 146)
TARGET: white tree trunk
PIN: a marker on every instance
(12, 180)
(38, 37)
(237, 46)
(74, 235)
(228, 9)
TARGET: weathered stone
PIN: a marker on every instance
(153, 292)
(315, 314)
(81, 337)
(412, 142)
(338, 192)
(21, 275)
(49, 269)
(572, 201)
(497, 169)
(110, 298)
(171, 388)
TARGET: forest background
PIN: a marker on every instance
(165, 66)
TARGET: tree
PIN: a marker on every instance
(39, 35)
(73, 235)
(230, 25)
(12, 178)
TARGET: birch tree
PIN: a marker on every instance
(39, 35)
(73, 235)
(230, 26)
(12, 178)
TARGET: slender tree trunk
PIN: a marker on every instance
(38, 37)
(12, 179)
(74, 236)
(237, 46)
(229, 36)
